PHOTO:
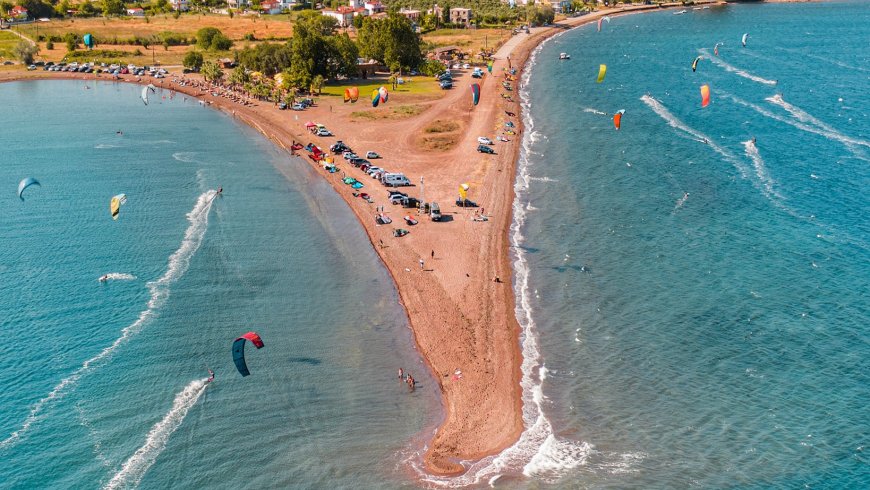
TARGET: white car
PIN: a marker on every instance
(372, 155)
(483, 140)
(456, 66)
(465, 66)
(323, 132)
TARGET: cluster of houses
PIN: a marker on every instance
(375, 9)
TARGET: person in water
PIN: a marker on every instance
(220, 189)
(210, 376)
(104, 278)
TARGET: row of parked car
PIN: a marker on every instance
(298, 106)
(113, 69)
(388, 179)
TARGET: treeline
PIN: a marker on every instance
(164, 38)
(318, 52)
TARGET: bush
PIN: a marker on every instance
(432, 68)
(49, 45)
(192, 59)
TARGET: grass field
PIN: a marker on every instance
(266, 27)
(419, 85)
(8, 41)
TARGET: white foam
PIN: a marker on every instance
(805, 117)
(594, 111)
(761, 172)
(104, 146)
(134, 468)
(176, 267)
(185, 156)
(119, 276)
(676, 123)
(538, 452)
(849, 143)
(737, 71)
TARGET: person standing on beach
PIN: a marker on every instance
(421, 264)
(401, 373)
(433, 254)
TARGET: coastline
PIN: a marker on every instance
(461, 318)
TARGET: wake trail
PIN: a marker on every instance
(137, 465)
(805, 117)
(676, 123)
(733, 69)
(761, 172)
(119, 276)
(850, 143)
(176, 267)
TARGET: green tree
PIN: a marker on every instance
(72, 41)
(49, 45)
(211, 71)
(205, 35)
(61, 8)
(221, 43)
(25, 51)
(316, 84)
(193, 60)
(391, 41)
(323, 24)
(239, 76)
(113, 7)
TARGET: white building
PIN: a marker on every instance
(344, 15)
(374, 7)
(180, 5)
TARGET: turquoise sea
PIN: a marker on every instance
(695, 303)
(103, 385)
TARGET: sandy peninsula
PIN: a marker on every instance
(460, 303)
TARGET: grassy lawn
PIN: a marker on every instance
(266, 27)
(419, 85)
(8, 41)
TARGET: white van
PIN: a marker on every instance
(394, 180)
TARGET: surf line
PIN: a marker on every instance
(137, 465)
(176, 267)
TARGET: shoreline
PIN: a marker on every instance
(460, 318)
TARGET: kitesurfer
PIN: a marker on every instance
(119, 132)
(753, 140)
(220, 189)
(210, 376)
(104, 278)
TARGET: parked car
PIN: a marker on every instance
(297, 107)
(445, 85)
(477, 74)
(372, 155)
(465, 66)
(339, 147)
(373, 171)
(485, 149)
(31, 67)
(434, 211)
(282, 105)
(395, 180)
(357, 162)
(323, 132)
(347, 155)
(483, 140)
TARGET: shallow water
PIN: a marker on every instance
(103, 384)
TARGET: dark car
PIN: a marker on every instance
(339, 147)
(282, 105)
(446, 85)
(485, 149)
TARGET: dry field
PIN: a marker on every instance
(469, 40)
(265, 27)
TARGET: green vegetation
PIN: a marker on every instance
(211, 71)
(98, 55)
(397, 112)
(392, 41)
(25, 51)
(193, 60)
(8, 41)
(412, 86)
(211, 38)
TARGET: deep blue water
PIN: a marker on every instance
(715, 339)
(103, 384)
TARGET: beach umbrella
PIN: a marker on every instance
(310, 124)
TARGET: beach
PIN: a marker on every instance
(454, 277)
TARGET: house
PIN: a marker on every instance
(238, 4)
(413, 15)
(356, 4)
(344, 15)
(180, 5)
(374, 7)
(136, 12)
(18, 13)
(461, 16)
(271, 7)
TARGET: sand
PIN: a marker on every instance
(461, 316)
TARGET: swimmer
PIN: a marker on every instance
(119, 132)
(210, 376)
(104, 278)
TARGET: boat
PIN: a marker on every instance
(564, 56)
